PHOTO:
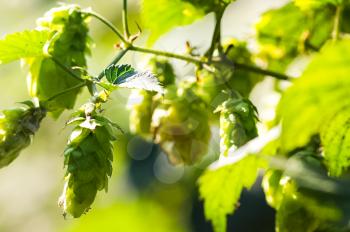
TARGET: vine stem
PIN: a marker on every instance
(66, 69)
(216, 39)
(78, 86)
(191, 59)
(336, 25)
(199, 60)
(108, 24)
(125, 19)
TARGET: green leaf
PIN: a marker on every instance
(336, 139)
(318, 103)
(160, 16)
(22, 45)
(301, 32)
(311, 4)
(116, 72)
(220, 189)
(210, 5)
(126, 77)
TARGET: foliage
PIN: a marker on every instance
(222, 188)
(325, 76)
(23, 45)
(160, 16)
(302, 32)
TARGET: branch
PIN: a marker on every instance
(125, 19)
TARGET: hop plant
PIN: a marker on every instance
(16, 129)
(180, 125)
(68, 44)
(141, 112)
(88, 158)
(238, 119)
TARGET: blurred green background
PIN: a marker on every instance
(145, 193)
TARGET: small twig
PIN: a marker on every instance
(125, 19)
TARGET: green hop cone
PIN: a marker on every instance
(237, 123)
(88, 158)
(180, 125)
(16, 129)
(68, 44)
(141, 112)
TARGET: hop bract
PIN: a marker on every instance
(16, 128)
(237, 123)
(180, 125)
(88, 158)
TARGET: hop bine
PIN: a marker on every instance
(88, 158)
(16, 129)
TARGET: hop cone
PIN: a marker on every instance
(69, 44)
(141, 112)
(88, 158)
(237, 123)
(180, 124)
(16, 128)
